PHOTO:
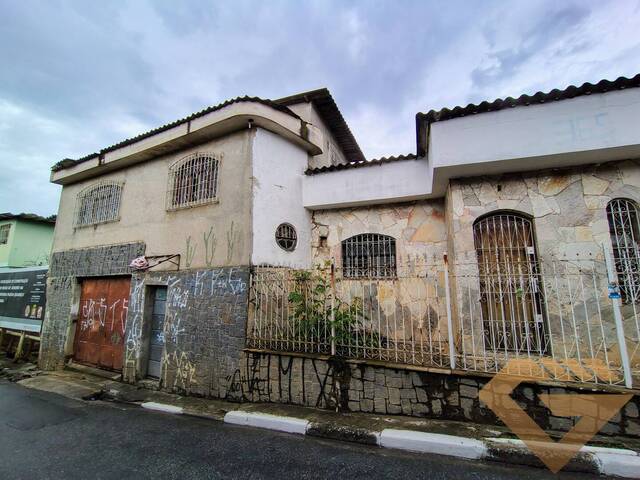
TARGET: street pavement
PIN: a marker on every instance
(47, 436)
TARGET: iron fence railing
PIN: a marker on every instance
(555, 319)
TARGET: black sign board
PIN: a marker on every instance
(22, 293)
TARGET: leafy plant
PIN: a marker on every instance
(313, 314)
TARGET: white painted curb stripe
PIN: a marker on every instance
(432, 443)
(162, 407)
(265, 420)
(612, 461)
(626, 466)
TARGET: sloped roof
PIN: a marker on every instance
(364, 163)
(29, 217)
(554, 95)
(68, 162)
(332, 117)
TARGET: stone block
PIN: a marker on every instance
(394, 409)
(631, 410)
(408, 393)
(366, 405)
(369, 374)
(380, 405)
(394, 396)
(422, 395)
(381, 392)
(468, 392)
(395, 382)
(562, 424)
(436, 407)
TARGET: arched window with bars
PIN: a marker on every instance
(193, 181)
(624, 228)
(98, 203)
(509, 280)
(369, 255)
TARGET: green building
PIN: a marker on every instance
(25, 239)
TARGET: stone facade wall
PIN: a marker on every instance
(204, 330)
(357, 387)
(63, 293)
(418, 228)
(568, 207)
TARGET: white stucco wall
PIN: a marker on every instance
(278, 170)
(604, 123)
(401, 181)
(331, 154)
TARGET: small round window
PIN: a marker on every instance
(286, 237)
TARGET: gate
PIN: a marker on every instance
(509, 284)
(99, 339)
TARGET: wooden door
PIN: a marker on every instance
(99, 339)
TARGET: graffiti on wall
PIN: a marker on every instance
(234, 244)
(283, 379)
(195, 300)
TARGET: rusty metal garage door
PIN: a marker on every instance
(99, 339)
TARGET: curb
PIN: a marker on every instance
(436, 443)
(595, 460)
(264, 420)
(162, 407)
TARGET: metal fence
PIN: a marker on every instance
(553, 319)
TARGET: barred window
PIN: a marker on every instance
(369, 255)
(624, 228)
(286, 237)
(193, 181)
(4, 234)
(98, 203)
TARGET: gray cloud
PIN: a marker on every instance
(78, 76)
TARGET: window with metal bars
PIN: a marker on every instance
(369, 255)
(624, 228)
(286, 237)
(4, 234)
(193, 181)
(98, 203)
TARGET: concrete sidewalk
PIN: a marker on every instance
(619, 457)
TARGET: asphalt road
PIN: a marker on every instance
(44, 435)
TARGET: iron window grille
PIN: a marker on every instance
(369, 255)
(286, 237)
(193, 181)
(624, 229)
(510, 295)
(98, 203)
(4, 234)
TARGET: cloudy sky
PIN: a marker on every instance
(77, 76)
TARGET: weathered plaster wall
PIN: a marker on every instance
(31, 244)
(331, 152)
(5, 249)
(209, 235)
(204, 329)
(357, 387)
(418, 227)
(278, 169)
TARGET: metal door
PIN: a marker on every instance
(510, 295)
(156, 340)
(99, 339)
